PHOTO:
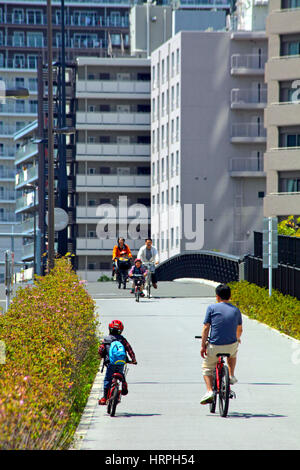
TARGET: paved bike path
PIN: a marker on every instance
(162, 409)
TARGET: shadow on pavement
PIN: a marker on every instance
(255, 415)
(134, 415)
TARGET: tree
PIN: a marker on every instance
(290, 226)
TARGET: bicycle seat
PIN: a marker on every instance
(223, 354)
(118, 376)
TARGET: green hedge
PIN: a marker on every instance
(51, 361)
(279, 311)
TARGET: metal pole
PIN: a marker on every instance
(63, 182)
(270, 254)
(51, 233)
(41, 168)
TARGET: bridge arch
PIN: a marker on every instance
(215, 266)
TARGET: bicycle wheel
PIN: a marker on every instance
(114, 401)
(212, 405)
(148, 289)
(224, 392)
(137, 296)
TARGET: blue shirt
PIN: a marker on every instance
(223, 318)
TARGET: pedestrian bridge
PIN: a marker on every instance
(212, 265)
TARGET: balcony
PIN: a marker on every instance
(205, 4)
(27, 227)
(97, 246)
(248, 133)
(7, 174)
(86, 214)
(18, 109)
(248, 98)
(126, 121)
(7, 131)
(282, 114)
(113, 152)
(7, 196)
(113, 183)
(26, 177)
(285, 21)
(7, 152)
(26, 202)
(7, 217)
(28, 252)
(283, 68)
(26, 153)
(282, 159)
(123, 89)
(285, 204)
(248, 64)
(246, 167)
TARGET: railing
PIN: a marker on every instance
(25, 201)
(25, 151)
(112, 118)
(217, 267)
(7, 173)
(113, 86)
(7, 151)
(209, 3)
(91, 212)
(7, 130)
(116, 150)
(240, 96)
(27, 175)
(8, 217)
(7, 195)
(248, 61)
(246, 164)
(18, 108)
(104, 244)
(251, 130)
(116, 181)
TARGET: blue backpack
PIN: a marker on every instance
(117, 353)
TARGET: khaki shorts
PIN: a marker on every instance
(210, 361)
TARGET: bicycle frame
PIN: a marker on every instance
(150, 266)
(115, 391)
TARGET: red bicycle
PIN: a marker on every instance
(221, 386)
(115, 391)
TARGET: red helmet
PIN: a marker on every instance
(116, 325)
(137, 259)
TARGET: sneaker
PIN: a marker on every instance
(102, 401)
(207, 398)
(232, 380)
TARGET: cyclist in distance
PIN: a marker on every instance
(120, 250)
(223, 324)
(149, 253)
(115, 329)
(138, 268)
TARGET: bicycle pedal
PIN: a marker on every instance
(232, 394)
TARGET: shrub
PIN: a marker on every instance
(104, 278)
(51, 348)
(279, 311)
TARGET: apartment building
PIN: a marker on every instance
(23, 38)
(112, 155)
(208, 139)
(282, 115)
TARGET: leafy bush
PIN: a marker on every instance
(104, 278)
(51, 349)
(289, 226)
(279, 311)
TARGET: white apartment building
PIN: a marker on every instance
(208, 139)
(113, 153)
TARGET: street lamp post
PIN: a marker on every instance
(51, 232)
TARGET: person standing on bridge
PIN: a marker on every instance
(224, 323)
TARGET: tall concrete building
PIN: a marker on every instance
(282, 115)
(112, 156)
(208, 139)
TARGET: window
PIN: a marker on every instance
(20, 106)
(172, 238)
(177, 60)
(18, 39)
(32, 61)
(34, 17)
(35, 39)
(19, 61)
(172, 196)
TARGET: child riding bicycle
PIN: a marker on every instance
(115, 329)
(137, 269)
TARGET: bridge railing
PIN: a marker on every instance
(215, 266)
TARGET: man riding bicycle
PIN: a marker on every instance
(223, 325)
(115, 329)
(120, 250)
(149, 254)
